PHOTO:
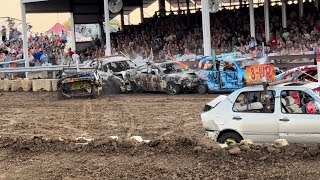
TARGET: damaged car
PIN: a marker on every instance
(77, 83)
(170, 77)
(112, 70)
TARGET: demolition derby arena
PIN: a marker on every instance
(44, 138)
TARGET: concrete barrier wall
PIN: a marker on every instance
(28, 85)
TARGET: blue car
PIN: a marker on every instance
(223, 76)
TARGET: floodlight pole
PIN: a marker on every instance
(73, 34)
(252, 23)
(107, 28)
(24, 35)
(284, 13)
(206, 28)
(300, 2)
(266, 21)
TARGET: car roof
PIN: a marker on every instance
(111, 59)
(291, 85)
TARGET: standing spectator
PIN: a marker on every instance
(45, 57)
(4, 33)
(64, 37)
(70, 52)
(37, 55)
(252, 44)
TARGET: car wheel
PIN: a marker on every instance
(135, 88)
(202, 89)
(173, 89)
(60, 95)
(94, 92)
(229, 138)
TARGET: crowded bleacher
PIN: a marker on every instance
(230, 31)
(170, 36)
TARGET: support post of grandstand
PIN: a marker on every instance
(206, 28)
(162, 4)
(122, 19)
(107, 19)
(141, 11)
(73, 34)
(300, 2)
(284, 13)
(24, 35)
(266, 21)
(252, 22)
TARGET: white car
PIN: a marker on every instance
(293, 114)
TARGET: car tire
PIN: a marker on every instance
(60, 95)
(173, 89)
(94, 92)
(135, 88)
(202, 89)
(229, 138)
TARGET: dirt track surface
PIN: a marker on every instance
(38, 131)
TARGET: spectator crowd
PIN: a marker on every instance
(169, 35)
(166, 36)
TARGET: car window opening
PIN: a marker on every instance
(254, 102)
(299, 102)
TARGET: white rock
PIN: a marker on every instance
(114, 137)
(83, 138)
(246, 142)
(223, 145)
(137, 138)
(281, 142)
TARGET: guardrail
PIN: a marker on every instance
(22, 61)
(37, 68)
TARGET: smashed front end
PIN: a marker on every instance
(189, 82)
(79, 84)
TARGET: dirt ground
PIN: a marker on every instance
(38, 141)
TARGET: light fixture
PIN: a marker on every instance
(255, 5)
(273, 3)
(280, 3)
(295, 2)
(289, 2)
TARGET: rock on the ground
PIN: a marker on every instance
(208, 143)
(137, 138)
(281, 142)
(313, 150)
(197, 149)
(234, 151)
(246, 142)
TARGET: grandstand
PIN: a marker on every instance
(180, 27)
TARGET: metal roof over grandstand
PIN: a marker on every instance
(82, 7)
(95, 7)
